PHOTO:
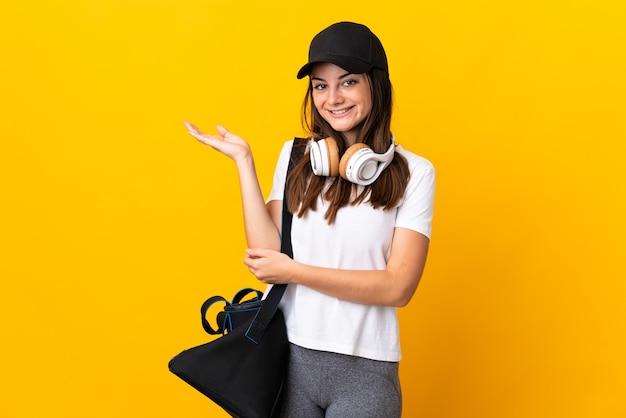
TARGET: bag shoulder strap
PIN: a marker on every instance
(297, 152)
(266, 313)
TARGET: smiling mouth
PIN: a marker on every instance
(340, 111)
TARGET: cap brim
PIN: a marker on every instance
(352, 65)
(306, 70)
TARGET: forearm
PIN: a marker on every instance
(393, 286)
(372, 287)
(260, 230)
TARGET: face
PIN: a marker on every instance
(343, 99)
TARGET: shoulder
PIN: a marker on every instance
(417, 163)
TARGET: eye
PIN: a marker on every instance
(349, 82)
(319, 86)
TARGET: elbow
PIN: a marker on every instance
(403, 296)
(402, 301)
(403, 290)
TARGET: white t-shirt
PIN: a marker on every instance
(359, 239)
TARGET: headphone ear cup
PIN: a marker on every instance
(324, 156)
(345, 160)
(333, 156)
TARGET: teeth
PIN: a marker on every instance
(339, 112)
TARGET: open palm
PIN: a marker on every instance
(225, 142)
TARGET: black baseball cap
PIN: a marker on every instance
(351, 46)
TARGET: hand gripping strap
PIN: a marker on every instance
(270, 304)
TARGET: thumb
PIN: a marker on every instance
(223, 131)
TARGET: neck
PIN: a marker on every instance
(350, 138)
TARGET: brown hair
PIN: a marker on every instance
(303, 187)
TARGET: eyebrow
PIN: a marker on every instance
(340, 77)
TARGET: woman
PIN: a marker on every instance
(360, 238)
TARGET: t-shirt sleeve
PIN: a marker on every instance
(280, 173)
(416, 210)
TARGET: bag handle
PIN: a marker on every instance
(245, 292)
(263, 317)
(203, 311)
(239, 296)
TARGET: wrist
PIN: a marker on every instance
(293, 271)
(245, 161)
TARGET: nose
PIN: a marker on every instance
(335, 96)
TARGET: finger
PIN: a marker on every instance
(255, 252)
(252, 262)
(211, 140)
(191, 127)
(199, 135)
(196, 133)
(223, 131)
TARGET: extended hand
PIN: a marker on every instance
(226, 142)
(269, 266)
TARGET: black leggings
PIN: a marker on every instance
(323, 384)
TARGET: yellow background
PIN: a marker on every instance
(115, 224)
